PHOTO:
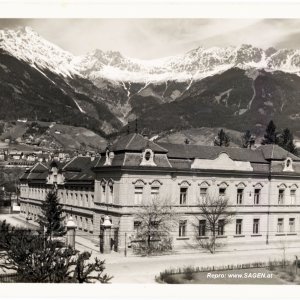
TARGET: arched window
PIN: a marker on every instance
(148, 158)
(103, 189)
(222, 189)
(257, 193)
(288, 165)
(155, 189)
(110, 184)
(293, 191)
(147, 155)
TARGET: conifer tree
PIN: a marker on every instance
(35, 260)
(222, 139)
(247, 139)
(286, 141)
(271, 135)
(51, 218)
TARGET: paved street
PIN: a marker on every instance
(134, 269)
(143, 270)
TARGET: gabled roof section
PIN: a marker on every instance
(38, 168)
(78, 164)
(136, 142)
(275, 152)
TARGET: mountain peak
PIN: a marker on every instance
(27, 45)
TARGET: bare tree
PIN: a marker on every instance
(154, 221)
(214, 216)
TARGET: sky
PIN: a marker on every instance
(156, 38)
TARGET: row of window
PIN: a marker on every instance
(104, 190)
(83, 223)
(138, 194)
(77, 199)
(240, 196)
(220, 230)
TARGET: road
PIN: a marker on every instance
(14, 221)
(144, 269)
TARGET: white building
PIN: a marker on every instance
(262, 186)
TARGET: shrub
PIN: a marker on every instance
(189, 273)
(164, 244)
(171, 279)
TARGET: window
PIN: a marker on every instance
(203, 193)
(256, 196)
(103, 191)
(222, 192)
(280, 225)
(91, 226)
(292, 224)
(281, 197)
(111, 193)
(183, 195)
(86, 224)
(202, 227)
(147, 155)
(221, 227)
(154, 192)
(182, 228)
(240, 196)
(136, 227)
(293, 196)
(238, 226)
(138, 195)
(255, 226)
(80, 223)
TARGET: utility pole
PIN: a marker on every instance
(136, 126)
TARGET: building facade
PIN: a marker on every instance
(262, 185)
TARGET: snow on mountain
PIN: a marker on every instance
(29, 46)
(193, 65)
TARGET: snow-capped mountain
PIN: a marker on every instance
(29, 46)
(193, 65)
(105, 90)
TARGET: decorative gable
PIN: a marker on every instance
(288, 165)
(222, 162)
(148, 158)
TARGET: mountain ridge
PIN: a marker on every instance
(195, 64)
(240, 87)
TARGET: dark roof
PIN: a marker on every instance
(276, 152)
(78, 164)
(135, 142)
(39, 168)
(78, 170)
(211, 152)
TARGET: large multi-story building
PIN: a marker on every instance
(262, 185)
